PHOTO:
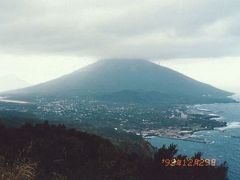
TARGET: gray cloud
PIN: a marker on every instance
(151, 29)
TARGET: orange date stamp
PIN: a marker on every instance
(188, 162)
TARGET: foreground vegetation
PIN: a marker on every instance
(53, 152)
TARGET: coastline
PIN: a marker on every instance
(187, 137)
(190, 135)
(183, 135)
(190, 139)
(5, 100)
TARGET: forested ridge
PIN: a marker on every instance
(52, 152)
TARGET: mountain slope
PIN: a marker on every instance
(107, 79)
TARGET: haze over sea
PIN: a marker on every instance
(226, 146)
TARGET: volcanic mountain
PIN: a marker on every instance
(129, 80)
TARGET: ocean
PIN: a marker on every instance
(226, 140)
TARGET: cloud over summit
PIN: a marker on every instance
(150, 29)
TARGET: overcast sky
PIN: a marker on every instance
(43, 39)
